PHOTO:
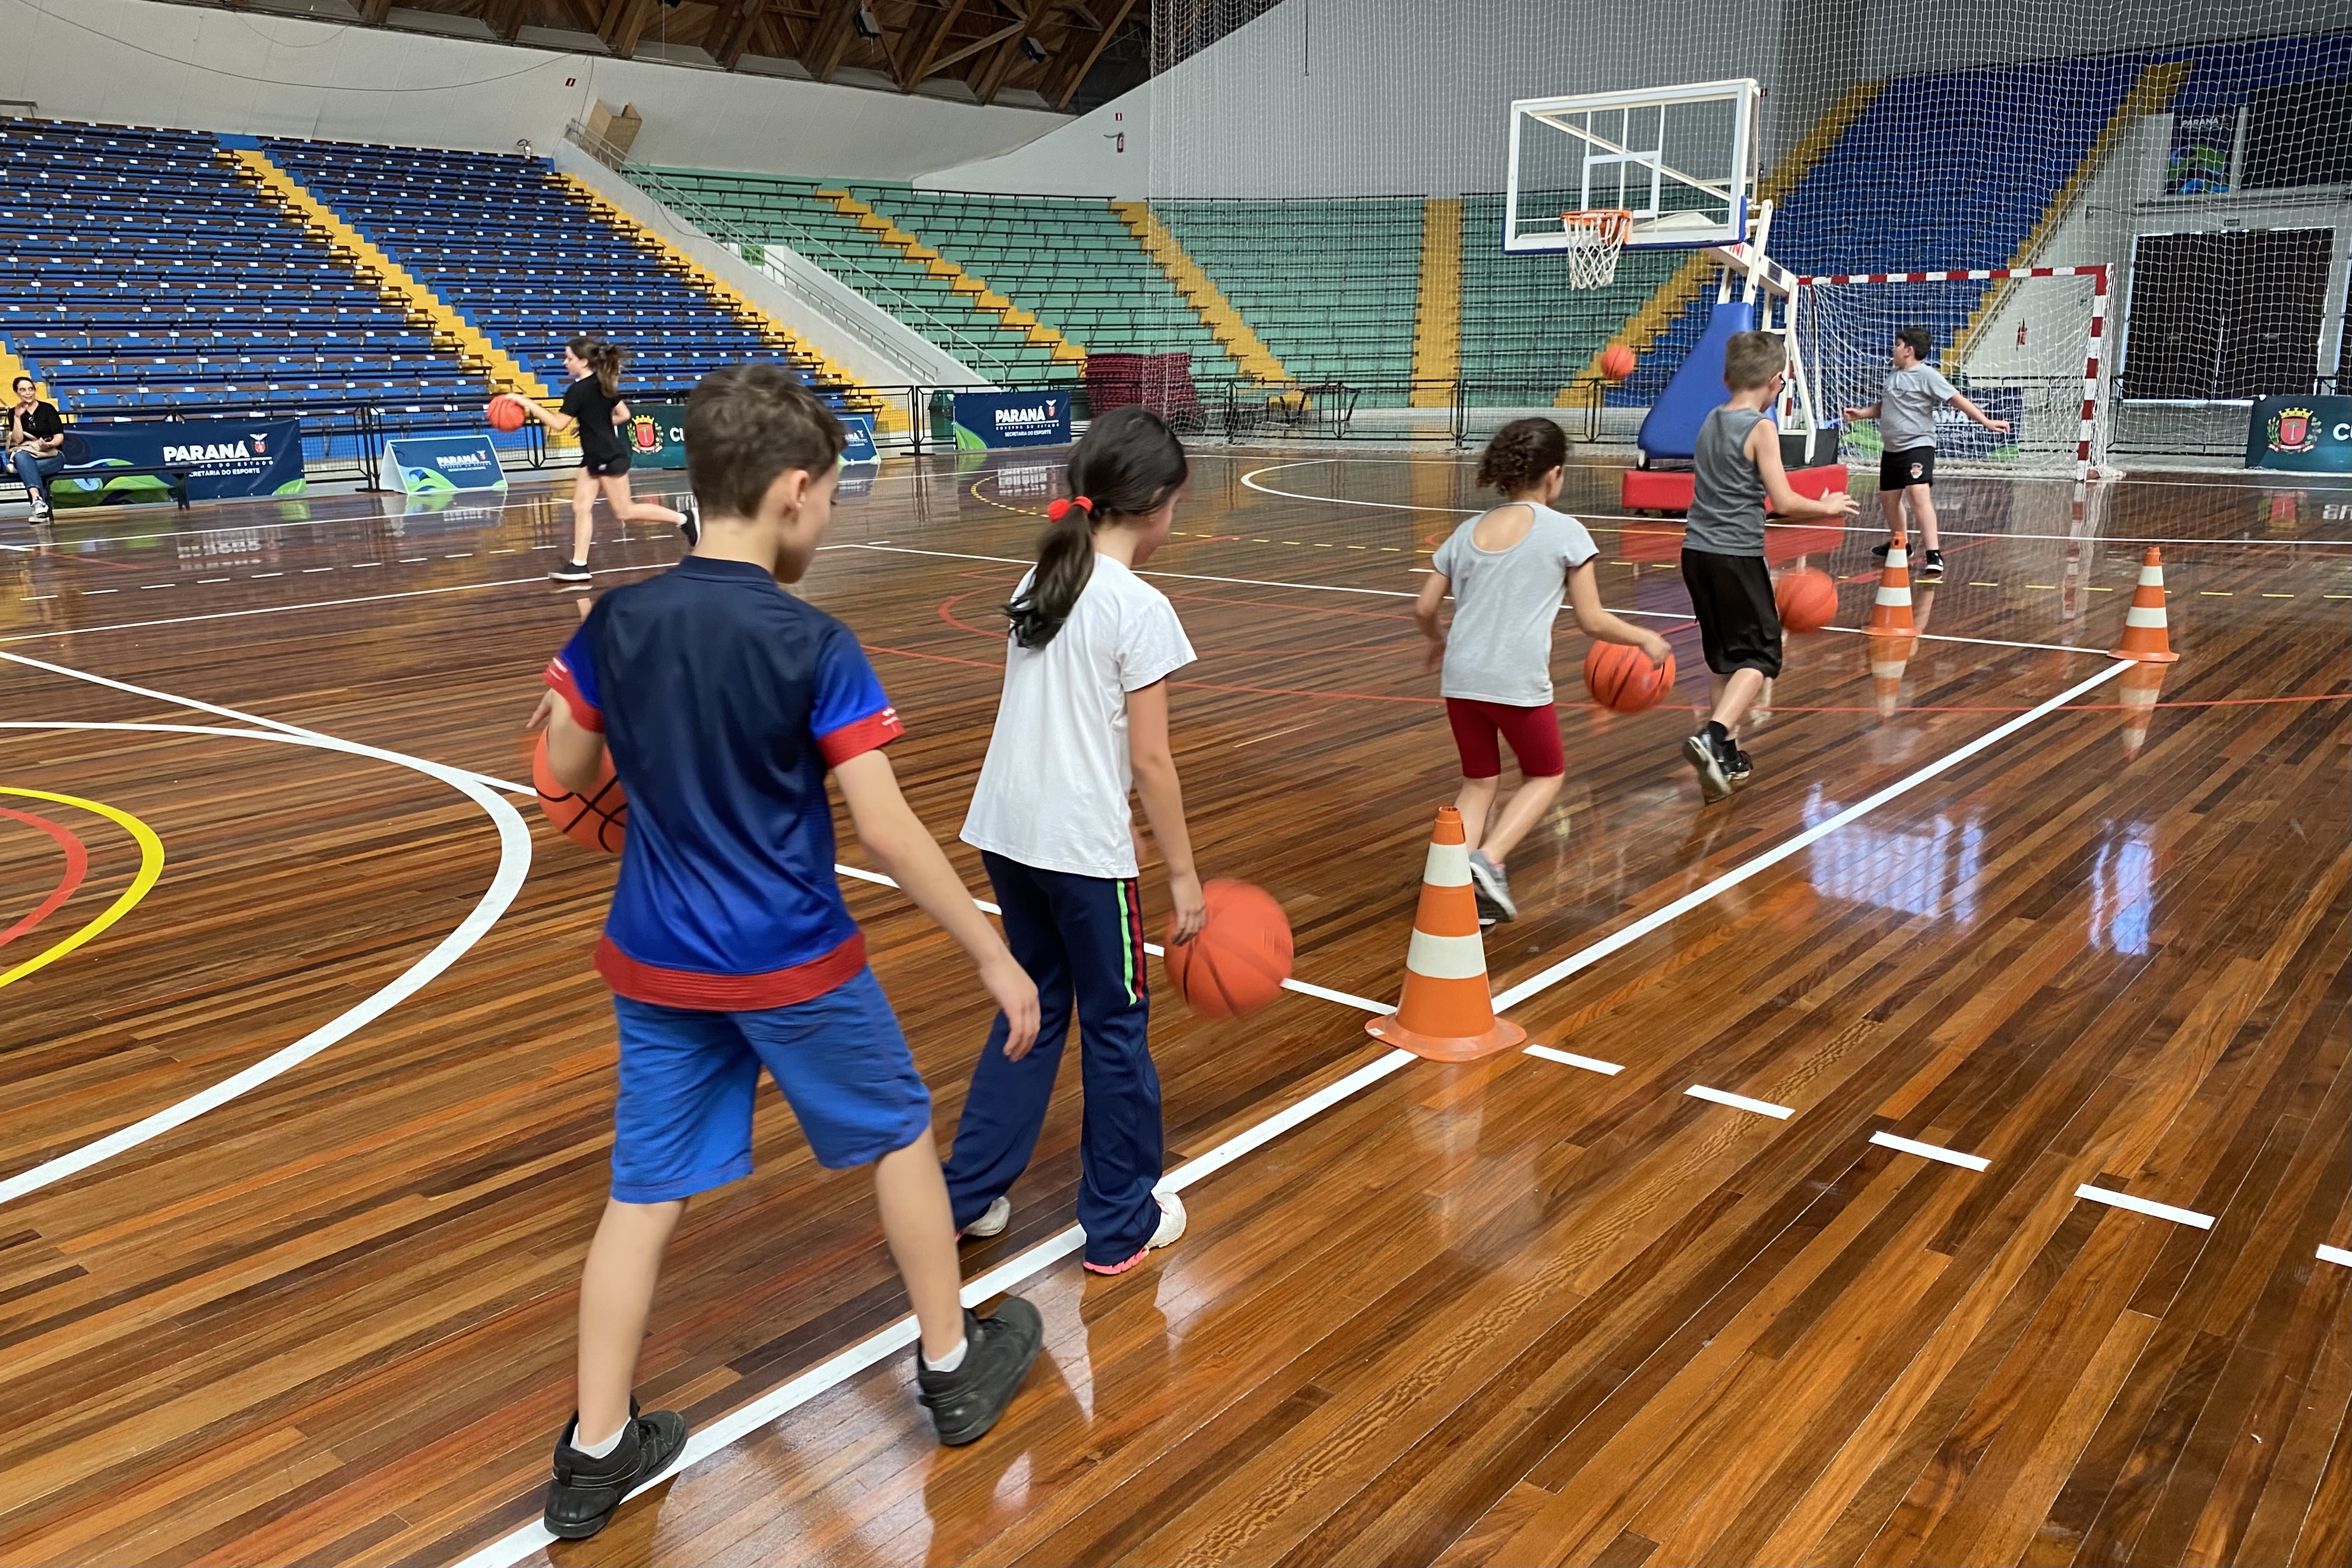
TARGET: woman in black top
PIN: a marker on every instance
(593, 406)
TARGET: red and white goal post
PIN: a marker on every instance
(2026, 343)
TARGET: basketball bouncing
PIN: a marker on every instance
(1806, 599)
(1621, 679)
(1238, 962)
(1616, 361)
(598, 819)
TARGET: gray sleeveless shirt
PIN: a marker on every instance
(1727, 514)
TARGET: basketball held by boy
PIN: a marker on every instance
(1505, 570)
(1738, 471)
(723, 702)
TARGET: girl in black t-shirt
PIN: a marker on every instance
(593, 406)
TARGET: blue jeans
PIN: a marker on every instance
(37, 471)
(1081, 939)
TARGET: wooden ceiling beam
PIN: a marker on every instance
(1077, 62)
(738, 19)
(989, 79)
(374, 12)
(923, 57)
(829, 39)
(635, 13)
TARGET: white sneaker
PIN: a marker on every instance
(1171, 1229)
(992, 1221)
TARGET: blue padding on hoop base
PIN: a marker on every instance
(1670, 430)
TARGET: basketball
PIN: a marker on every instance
(1621, 679)
(1617, 362)
(506, 413)
(599, 820)
(1240, 959)
(1806, 600)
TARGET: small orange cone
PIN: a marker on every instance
(2147, 639)
(2136, 692)
(1447, 1014)
(1890, 613)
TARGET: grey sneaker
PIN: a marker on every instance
(1491, 888)
(992, 1221)
(585, 1491)
(965, 1402)
(1714, 777)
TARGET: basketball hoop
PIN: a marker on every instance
(1595, 239)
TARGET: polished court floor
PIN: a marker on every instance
(301, 1144)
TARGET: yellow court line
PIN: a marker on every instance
(151, 867)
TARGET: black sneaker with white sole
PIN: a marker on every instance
(1491, 886)
(1878, 552)
(1736, 771)
(690, 524)
(1714, 779)
(1931, 567)
(998, 1353)
(586, 1490)
(569, 571)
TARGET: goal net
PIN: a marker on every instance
(2027, 346)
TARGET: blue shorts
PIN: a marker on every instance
(683, 1122)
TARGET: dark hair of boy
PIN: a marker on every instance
(1751, 358)
(1521, 453)
(1127, 463)
(603, 359)
(1917, 340)
(747, 423)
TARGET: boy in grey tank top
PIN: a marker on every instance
(1737, 464)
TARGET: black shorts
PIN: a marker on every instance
(1913, 465)
(605, 467)
(1739, 625)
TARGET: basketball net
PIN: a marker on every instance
(1595, 240)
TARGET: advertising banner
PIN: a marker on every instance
(656, 435)
(1012, 419)
(224, 457)
(2199, 162)
(861, 448)
(420, 465)
(2301, 434)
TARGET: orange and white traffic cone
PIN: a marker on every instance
(2147, 639)
(1447, 1013)
(2136, 692)
(1890, 613)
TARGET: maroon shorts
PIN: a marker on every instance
(1533, 732)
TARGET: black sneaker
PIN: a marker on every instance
(690, 524)
(965, 1402)
(586, 1492)
(1736, 770)
(1930, 568)
(1714, 779)
(571, 572)
(1878, 552)
(1491, 887)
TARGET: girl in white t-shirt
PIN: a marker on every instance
(1084, 718)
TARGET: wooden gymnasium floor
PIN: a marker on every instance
(1521, 1311)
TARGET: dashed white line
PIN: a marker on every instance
(1930, 1151)
(457, 555)
(413, 559)
(202, 580)
(311, 571)
(2144, 1206)
(259, 575)
(363, 565)
(1741, 1102)
(87, 592)
(152, 586)
(1570, 1059)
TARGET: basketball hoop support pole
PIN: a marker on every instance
(1766, 284)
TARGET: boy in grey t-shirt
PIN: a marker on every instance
(1905, 413)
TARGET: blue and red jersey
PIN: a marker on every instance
(724, 701)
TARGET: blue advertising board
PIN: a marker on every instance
(222, 457)
(1012, 419)
(859, 428)
(2301, 434)
(656, 435)
(422, 464)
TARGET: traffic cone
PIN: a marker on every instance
(1446, 1014)
(2136, 692)
(1890, 613)
(1889, 657)
(2147, 639)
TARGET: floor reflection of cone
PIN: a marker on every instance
(2138, 689)
(2147, 637)
(1889, 657)
(1447, 1012)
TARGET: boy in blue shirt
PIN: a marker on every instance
(724, 702)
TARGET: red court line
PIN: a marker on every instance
(77, 866)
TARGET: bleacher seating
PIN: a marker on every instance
(143, 274)
(507, 246)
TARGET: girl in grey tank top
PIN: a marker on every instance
(1726, 512)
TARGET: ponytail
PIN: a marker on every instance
(1126, 465)
(603, 359)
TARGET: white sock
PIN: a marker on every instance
(598, 1450)
(950, 1361)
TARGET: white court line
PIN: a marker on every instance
(1930, 1151)
(514, 862)
(738, 1424)
(1774, 856)
(2334, 1255)
(1741, 1102)
(1570, 1059)
(2144, 1206)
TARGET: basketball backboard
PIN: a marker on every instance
(1682, 160)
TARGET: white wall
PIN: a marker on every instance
(135, 62)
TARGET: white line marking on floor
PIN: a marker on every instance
(2334, 1255)
(1741, 1102)
(514, 862)
(1587, 957)
(1570, 1059)
(93, 592)
(152, 586)
(1930, 1151)
(875, 1347)
(259, 575)
(2144, 1206)
(212, 579)
(314, 571)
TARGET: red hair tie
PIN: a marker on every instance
(1056, 510)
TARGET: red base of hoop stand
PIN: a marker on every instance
(1669, 489)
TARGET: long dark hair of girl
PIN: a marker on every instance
(1126, 465)
(603, 359)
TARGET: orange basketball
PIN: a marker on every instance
(1620, 678)
(1617, 362)
(506, 413)
(1241, 957)
(1806, 600)
(599, 820)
